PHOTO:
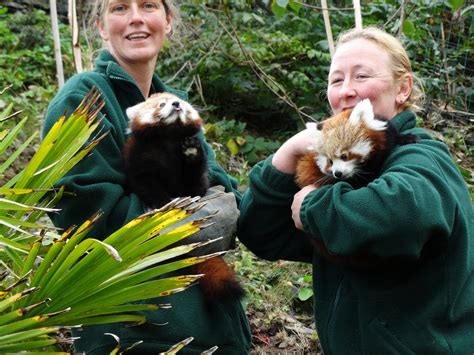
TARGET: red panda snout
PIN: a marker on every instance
(343, 170)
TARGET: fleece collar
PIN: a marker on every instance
(404, 121)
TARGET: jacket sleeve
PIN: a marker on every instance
(97, 182)
(418, 196)
(265, 225)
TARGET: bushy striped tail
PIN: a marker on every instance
(219, 282)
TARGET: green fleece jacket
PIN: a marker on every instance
(418, 215)
(97, 183)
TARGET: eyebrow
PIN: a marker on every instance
(355, 68)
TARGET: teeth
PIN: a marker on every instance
(137, 36)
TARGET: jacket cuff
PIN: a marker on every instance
(276, 179)
(305, 206)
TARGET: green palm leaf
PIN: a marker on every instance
(52, 283)
(57, 297)
(27, 197)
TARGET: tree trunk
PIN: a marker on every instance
(57, 43)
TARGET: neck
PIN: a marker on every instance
(142, 73)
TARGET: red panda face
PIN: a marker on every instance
(343, 165)
(163, 108)
(346, 141)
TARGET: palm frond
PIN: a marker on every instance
(53, 283)
(81, 281)
(27, 197)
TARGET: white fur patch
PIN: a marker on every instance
(190, 151)
(311, 125)
(315, 135)
(145, 116)
(362, 148)
(322, 161)
(347, 168)
(132, 111)
(364, 112)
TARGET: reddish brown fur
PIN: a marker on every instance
(219, 282)
(153, 157)
(308, 171)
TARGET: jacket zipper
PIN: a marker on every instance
(128, 81)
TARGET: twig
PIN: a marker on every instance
(57, 43)
(11, 115)
(407, 14)
(197, 81)
(357, 14)
(327, 26)
(187, 63)
(76, 46)
(5, 89)
(402, 18)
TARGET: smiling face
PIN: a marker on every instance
(135, 30)
(361, 69)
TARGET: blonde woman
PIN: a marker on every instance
(133, 33)
(416, 220)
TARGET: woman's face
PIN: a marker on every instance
(360, 69)
(135, 30)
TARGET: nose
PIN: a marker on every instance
(135, 14)
(337, 174)
(175, 104)
(347, 90)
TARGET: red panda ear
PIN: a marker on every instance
(364, 112)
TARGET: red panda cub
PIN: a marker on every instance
(163, 159)
(350, 146)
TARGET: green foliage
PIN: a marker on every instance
(283, 285)
(444, 61)
(27, 196)
(251, 67)
(51, 283)
(27, 61)
(244, 63)
(233, 135)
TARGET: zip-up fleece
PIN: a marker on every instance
(97, 183)
(417, 216)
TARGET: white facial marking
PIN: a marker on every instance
(362, 148)
(321, 161)
(176, 109)
(346, 168)
(311, 126)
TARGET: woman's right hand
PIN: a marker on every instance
(285, 157)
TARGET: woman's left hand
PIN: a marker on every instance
(296, 205)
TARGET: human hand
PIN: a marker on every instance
(296, 205)
(286, 156)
